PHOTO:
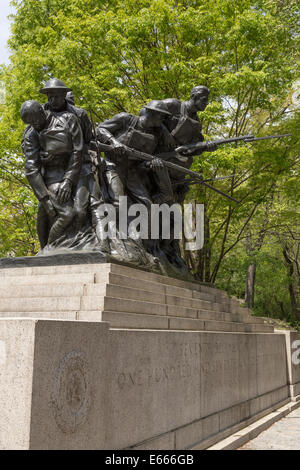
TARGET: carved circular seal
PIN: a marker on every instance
(70, 397)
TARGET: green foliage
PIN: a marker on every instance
(117, 55)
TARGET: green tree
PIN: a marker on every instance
(118, 55)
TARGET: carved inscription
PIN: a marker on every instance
(199, 358)
(224, 361)
(156, 375)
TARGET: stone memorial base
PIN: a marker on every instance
(104, 356)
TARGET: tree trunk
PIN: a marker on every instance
(250, 283)
(204, 255)
(207, 252)
(294, 287)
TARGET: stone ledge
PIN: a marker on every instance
(186, 382)
(185, 437)
(250, 432)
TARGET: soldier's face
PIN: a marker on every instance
(57, 100)
(200, 101)
(37, 119)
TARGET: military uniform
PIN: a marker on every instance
(88, 192)
(184, 125)
(52, 156)
(126, 174)
(185, 128)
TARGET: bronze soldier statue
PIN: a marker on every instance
(53, 156)
(146, 133)
(144, 183)
(88, 193)
(56, 92)
(185, 127)
(184, 123)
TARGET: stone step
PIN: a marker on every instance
(202, 314)
(138, 321)
(104, 269)
(96, 290)
(142, 307)
(44, 297)
(64, 315)
(208, 313)
(195, 303)
(44, 290)
(243, 310)
(99, 290)
(135, 320)
(213, 297)
(44, 279)
(229, 317)
(128, 296)
(122, 305)
(151, 286)
(137, 293)
(59, 269)
(144, 321)
(8, 287)
(253, 319)
(237, 309)
(123, 292)
(96, 315)
(211, 325)
(113, 268)
(144, 275)
(40, 304)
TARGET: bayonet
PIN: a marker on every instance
(193, 181)
(254, 139)
(146, 157)
(194, 149)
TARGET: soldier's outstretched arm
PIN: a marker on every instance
(106, 130)
(110, 127)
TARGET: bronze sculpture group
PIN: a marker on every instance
(72, 181)
(147, 158)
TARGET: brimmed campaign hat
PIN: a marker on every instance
(156, 105)
(200, 90)
(54, 84)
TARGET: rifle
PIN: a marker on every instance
(192, 149)
(193, 181)
(100, 163)
(146, 157)
(101, 167)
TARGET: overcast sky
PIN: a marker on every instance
(5, 10)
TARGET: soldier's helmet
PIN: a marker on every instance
(54, 84)
(200, 90)
(158, 106)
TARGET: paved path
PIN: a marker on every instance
(283, 435)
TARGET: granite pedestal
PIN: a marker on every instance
(105, 356)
